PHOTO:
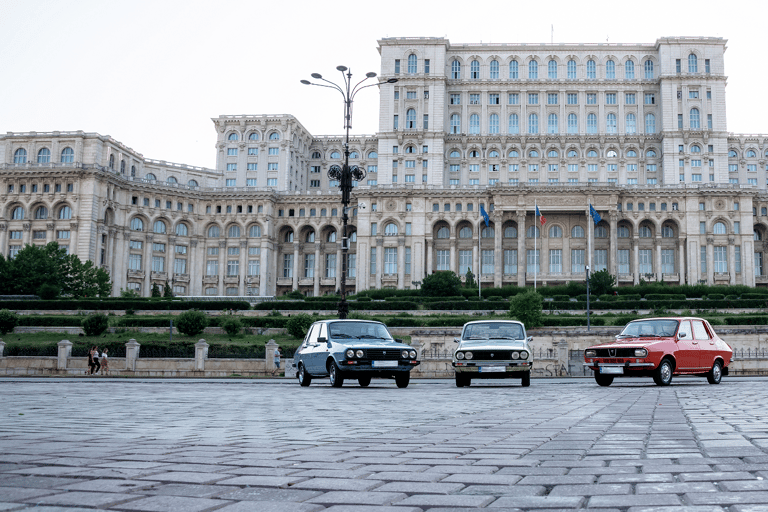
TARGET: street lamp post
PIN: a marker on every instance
(345, 174)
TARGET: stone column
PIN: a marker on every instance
(454, 255)
(196, 269)
(264, 269)
(339, 265)
(430, 265)
(2, 347)
(65, 352)
(297, 266)
(4, 240)
(636, 257)
(657, 263)
(147, 284)
(379, 262)
(201, 354)
(681, 260)
(75, 239)
(222, 267)
(521, 267)
(561, 347)
(243, 266)
(316, 280)
(498, 253)
(732, 260)
(131, 354)
(710, 261)
(613, 266)
(401, 263)
(27, 234)
(50, 233)
(271, 346)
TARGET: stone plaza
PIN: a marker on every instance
(74, 444)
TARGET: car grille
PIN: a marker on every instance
(618, 352)
(491, 355)
(378, 354)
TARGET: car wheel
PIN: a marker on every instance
(603, 380)
(337, 380)
(304, 378)
(526, 380)
(461, 380)
(364, 381)
(663, 374)
(402, 379)
(715, 374)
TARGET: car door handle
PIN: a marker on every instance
(695, 342)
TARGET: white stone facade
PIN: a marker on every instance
(638, 131)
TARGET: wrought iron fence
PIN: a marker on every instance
(750, 353)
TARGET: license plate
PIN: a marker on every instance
(384, 364)
(486, 369)
(616, 370)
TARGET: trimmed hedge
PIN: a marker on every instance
(155, 305)
(665, 296)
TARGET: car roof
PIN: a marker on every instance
(671, 318)
(348, 320)
(494, 320)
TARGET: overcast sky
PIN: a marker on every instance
(153, 73)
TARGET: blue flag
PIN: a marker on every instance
(595, 216)
(538, 213)
(485, 216)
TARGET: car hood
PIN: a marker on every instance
(493, 345)
(370, 344)
(632, 343)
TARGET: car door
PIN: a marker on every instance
(308, 354)
(706, 344)
(687, 352)
(320, 351)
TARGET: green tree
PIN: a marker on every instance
(95, 324)
(444, 283)
(85, 279)
(155, 290)
(469, 281)
(8, 320)
(192, 322)
(48, 291)
(33, 267)
(231, 324)
(298, 325)
(167, 292)
(129, 294)
(527, 307)
(601, 283)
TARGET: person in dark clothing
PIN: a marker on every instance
(95, 357)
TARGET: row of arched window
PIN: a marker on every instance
(552, 70)
(555, 231)
(234, 136)
(182, 229)
(553, 153)
(309, 236)
(171, 180)
(553, 123)
(67, 156)
(41, 212)
(750, 153)
(336, 155)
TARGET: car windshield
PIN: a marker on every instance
(493, 331)
(649, 329)
(359, 330)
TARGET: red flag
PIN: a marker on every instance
(543, 220)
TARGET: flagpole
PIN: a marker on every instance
(479, 258)
(535, 225)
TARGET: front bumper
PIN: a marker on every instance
(357, 366)
(618, 368)
(491, 368)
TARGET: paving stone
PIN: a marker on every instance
(749, 508)
(728, 498)
(271, 506)
(338, 484)
(187, 477)
(634, 500)
(108, 485)
(505, 490)
(635, 478)
(262, 481)
(558, 480)
(359, 508)
(421, 487)
(87, 499)
(684, 508)
(393, 476)
(40, 482)
(590, 489)
(439, 500)
(674, 488)
(24, 494)
(538, 502)
(268, 494)
(171, 504)
(495, 479)
(189, 490)
(717, 476)
(358, 498)
(749, 485)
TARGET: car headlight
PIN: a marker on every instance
(590, 353)
(404, 354)
(641, 352)
(468, 355)
(515, 355)
(359, 353)
(413, 354)
(350, 354)
(459, 355)
(523, 355)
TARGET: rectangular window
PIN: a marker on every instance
(251, 182)
(612, 167)
(395, 122)
(410, 95)
(212, 267)
(426, 121)
(667, 261)
(231, 183)
(493, 98)
(254, 267)
(252, 167)
(39, 235)
(407, 260)
(737, 259)
(397, 66)
(721, 259)
(271, 182)
(287, 265)
(610, 98)
(465, 262)
(514, 98)
(678, 66)
(487, 264)
(573, 98)
(179, 266)
(533, 98)
(272, 166)
(591, 98)
(426, 66)
(532, 261)
(158, 264)
(231, 167)
(709, 121)
(372, 262)
(693, 94)
(591, 167)
(645, 262)
(134, 261)
(390, 260)
(650, 98)
(733, 167)
(253, 151)
(679, 121)
(629, 98)
(158, 247)
(555, 261)
(443, 260)
(455, 99)
(330, 265)
(231, 151)
(623, 260)
(552, 98)
(510, 261)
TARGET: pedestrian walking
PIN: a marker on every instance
(276, 361)
(104, 362)
(89, 371)
(96, 365)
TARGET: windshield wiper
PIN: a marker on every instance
(342, 336)
(368, 336)
(626, 336)
(503, 338)
(476, 338)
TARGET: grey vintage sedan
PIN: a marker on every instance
(493, 349)
(353, 349)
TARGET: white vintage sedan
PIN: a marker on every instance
(493, 349)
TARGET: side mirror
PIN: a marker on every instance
(322, 340)
(529, 339)
(398, 340)
(681, 335)
(455, 340)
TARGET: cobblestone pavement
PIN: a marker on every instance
(270, 445)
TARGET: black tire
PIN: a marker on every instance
(402, 379)
(337, 379)
(662, 376)
(603, 380)
(716, 373)
(364, 381)
(526, 380)
(461, 380)
(305, 379)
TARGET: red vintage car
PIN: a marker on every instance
(661, 348)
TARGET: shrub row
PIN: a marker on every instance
(659, 303)
(101, 305)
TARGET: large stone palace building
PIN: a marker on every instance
(637, 131)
